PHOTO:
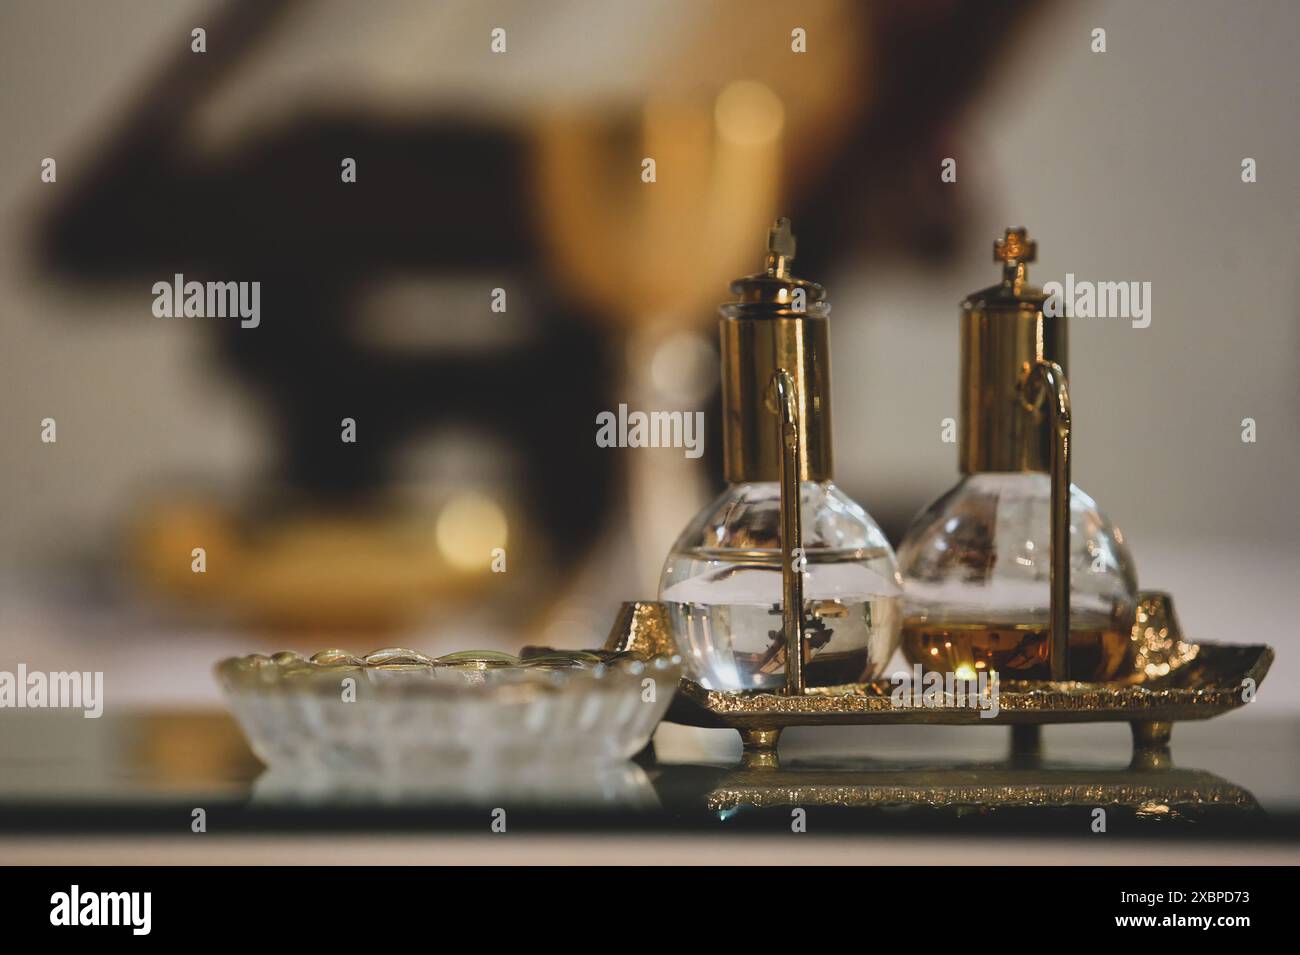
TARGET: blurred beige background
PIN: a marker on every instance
(1124, 165)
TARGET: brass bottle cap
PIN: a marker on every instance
(773, 291)
(777, 321)
(1004, 333)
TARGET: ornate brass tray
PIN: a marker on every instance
(1172, 680)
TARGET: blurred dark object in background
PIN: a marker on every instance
(443, 199)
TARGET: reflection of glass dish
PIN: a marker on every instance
(398, 710)
(613, 785)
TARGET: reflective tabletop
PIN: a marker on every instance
(148, 771)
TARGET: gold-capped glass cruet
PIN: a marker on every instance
(986, 565)
(726, 596)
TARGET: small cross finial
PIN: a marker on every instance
(780, 248)
(780, 239)
(1015, 246)
(1015, 251)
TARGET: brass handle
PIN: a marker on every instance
(782, 401)
(1052, 384)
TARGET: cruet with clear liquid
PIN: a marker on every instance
(728, 600)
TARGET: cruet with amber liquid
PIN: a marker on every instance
(1015, 570)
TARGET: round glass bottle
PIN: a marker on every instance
(722, 581)
(722, 586)
(977, 564)
(975, 567)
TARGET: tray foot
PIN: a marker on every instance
(759, 748)
(1151, 744)
(1026, 740)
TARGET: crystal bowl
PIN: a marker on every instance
(399, 710)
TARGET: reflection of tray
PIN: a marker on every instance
(1176, 681)
(1165, 794)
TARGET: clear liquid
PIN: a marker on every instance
(725, 610)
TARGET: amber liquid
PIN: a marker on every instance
(1098, 651)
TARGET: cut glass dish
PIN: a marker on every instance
(399, 710)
